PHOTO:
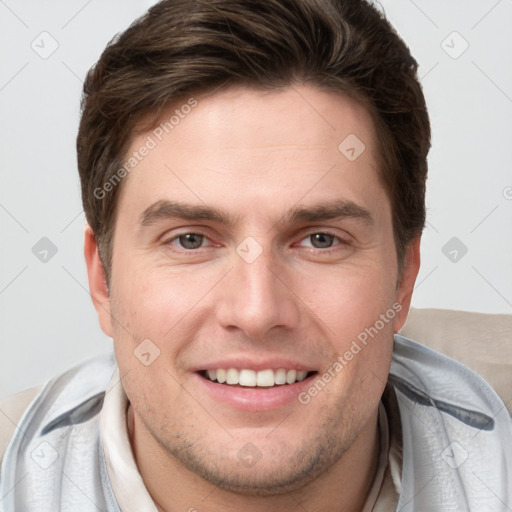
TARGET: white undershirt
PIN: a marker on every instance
(131, 493)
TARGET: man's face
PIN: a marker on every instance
(273, 282)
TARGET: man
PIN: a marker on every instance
(253, 175)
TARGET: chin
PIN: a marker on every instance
(278, 470)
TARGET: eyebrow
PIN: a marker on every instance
(165, 209)
(343, 209)
(338, 209)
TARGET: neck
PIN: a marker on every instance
(342, 488)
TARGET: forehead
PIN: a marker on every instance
(300, 140)
(295, 114)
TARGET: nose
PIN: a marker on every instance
(256, 297)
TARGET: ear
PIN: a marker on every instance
(97, 282)
(406, 285)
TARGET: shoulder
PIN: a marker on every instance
(477, 340)
(429, 378)
(66, 398)
(453, 427)
(11, 411)
(59, 433)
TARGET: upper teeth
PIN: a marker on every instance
(263, 378)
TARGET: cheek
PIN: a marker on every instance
(164, 306)
(356, 310)
(151, 299)
(349, 299)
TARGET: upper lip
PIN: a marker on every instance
(255, 363)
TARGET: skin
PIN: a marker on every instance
(254, 155)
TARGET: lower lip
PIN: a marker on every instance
(255, 399)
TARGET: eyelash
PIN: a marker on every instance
(328, 250)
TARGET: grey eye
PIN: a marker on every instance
(321, 240)
(191, 240)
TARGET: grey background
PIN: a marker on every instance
(47, 321)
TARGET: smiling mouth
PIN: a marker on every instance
(256, 379)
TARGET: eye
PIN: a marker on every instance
(188, 241)
(321, 240)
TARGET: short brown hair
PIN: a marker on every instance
(184, 46)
